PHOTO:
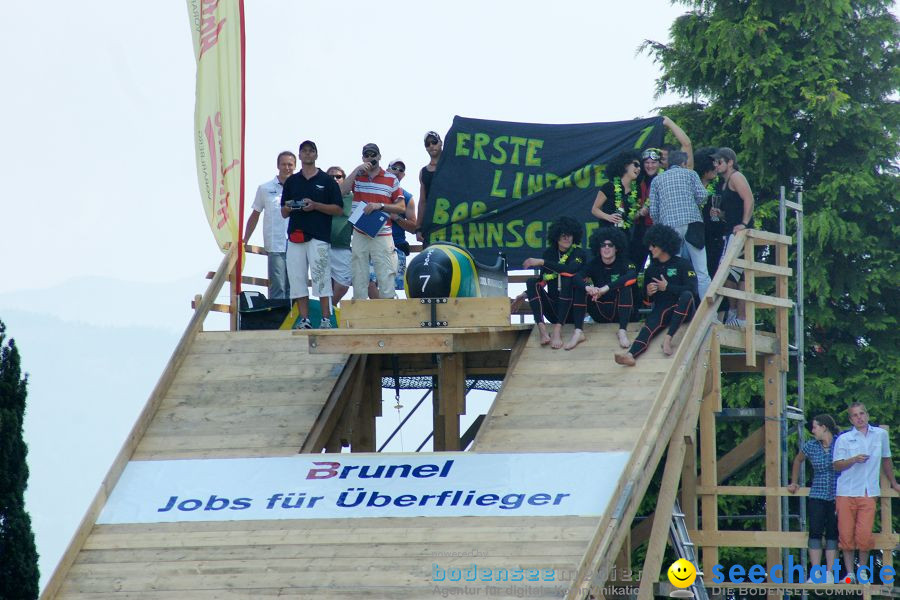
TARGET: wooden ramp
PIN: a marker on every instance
(253, 394)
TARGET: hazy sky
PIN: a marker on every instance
(98, 171)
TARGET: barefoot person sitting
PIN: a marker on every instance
(551, 295)
(671, 284)
(608, 281)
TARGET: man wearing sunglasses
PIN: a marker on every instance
(402, 222)
(433, 146)
(378, 190)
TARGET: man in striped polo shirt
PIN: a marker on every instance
(378, 190)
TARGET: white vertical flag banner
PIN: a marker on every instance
(217, 29)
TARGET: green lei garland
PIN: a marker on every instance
(628, 219)
(562, 261)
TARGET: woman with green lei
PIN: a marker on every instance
(551, 294)
(616, 204)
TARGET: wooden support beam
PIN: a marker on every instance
(260, 281)
(767, 237)
(665, 501)
(363, 436)
(222, 308)
(766, 301)
(763, 269)
(749, 449)
(348, 417)
(781, 313)
(451, 394)
(709, 505)
(774, 540)
(408, 341)
(749, 307)
(766, 343)
(410, 313)
(324, 427)
(737, 364)
(774, 405)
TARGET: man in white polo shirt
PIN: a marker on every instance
(859, 456)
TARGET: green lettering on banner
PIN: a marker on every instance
(495, 235)
(476, 235)
(497, 192)
(512, 228)
(500, 157)
(478, 208)
(565, 182)
(583, 177)
(517, 185)
(550, 179)
(457, 236)
(531, 159)
(535, 183)
(460, 212)
(441, 216)
(589, 228)
(644, 133)
(461, 140)
(531, 234)
(599, 175)
(517, 142)
(481, 140)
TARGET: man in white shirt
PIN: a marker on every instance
(268, 200)
(859, 456)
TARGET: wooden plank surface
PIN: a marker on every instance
(409, 313)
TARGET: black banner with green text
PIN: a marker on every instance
(499, 186)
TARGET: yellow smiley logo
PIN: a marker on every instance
(682, 573)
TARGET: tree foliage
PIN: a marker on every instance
(806, 94)
(18, 555)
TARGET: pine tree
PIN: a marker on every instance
(806, 93)
(18, 555)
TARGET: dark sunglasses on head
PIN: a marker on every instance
(651, 153)
(369, 154)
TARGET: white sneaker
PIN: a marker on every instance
(736, 323)
(325, 324)
(829, 577)
(303, 324)
(850, 579)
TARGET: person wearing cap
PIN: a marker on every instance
(377, 189)
(433, 146)
(402, 222)
(309, 201)
(268, 202)
(341, 232)
(736, 213)
(675, 199)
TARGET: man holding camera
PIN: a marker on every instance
(309, 200)
(377, 190)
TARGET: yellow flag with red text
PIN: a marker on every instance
(217, 31)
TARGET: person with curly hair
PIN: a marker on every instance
(616, 204)
(551, 294)
(671, 284)
(608, 281)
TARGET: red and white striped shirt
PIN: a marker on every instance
(383, 187)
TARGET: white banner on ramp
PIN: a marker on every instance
(328, 486)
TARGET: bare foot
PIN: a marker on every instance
(623, 339)
(556, 339)
(577, 338)
(545, 337)
(626, 359)
(667, 345)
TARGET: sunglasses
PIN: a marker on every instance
(718, 161)
(369, 154)
(338, 175)
(397, 168)
(636, 164)
(432, 143)
(607, 245)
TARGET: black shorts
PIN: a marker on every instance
(822, 519)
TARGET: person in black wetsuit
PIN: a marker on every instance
(671, 284)
(551, 295)
(616, 204)
(608, 281)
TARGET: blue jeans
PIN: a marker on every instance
(279, 289)
(697, 256)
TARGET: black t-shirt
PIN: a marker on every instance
(609, 205)
(320, 188)
(427, 176)
(679, 275)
